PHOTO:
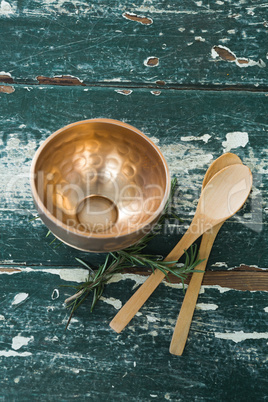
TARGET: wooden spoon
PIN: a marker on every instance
(223, 197)
(188, 306)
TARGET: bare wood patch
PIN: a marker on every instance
(9, 270)
(6, 78)
(67, 80)
(160, 83)
(151, 61)
(138, 18)
(7, 89)
(123, 91)
(237, 280)
(224, 53)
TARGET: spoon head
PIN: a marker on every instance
(225, 194)
(220, 163)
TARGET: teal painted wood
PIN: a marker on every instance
(191, 129)
(96, 44)
(39, 360)
(226, 353)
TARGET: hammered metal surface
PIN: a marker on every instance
(108, 160)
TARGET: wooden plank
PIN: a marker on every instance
(191, 43)
(226, 350)
(251, 280)
(190, 128)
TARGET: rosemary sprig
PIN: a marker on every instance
(129, 257)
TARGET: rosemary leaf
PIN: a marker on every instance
(132, 256)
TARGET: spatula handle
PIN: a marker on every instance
(132, 306)
(184, 320)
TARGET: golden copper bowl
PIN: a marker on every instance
(99, 185)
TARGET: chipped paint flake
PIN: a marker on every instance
(6, 9)
(223, 52)
(204, 138)
(220, 264)
(138, 18)
(152, 318)
(19, 341)
(200, 39)
(59, 80)
(239, 336)
(19, 298)
(124, 91)
(116, 303)
(138, 279)
(13, 353)
(7, 89)
(221, 289)
(206, 306)
(266, 309)
(156, 93)
(66, 274)
(55, 294)
(3, 73)
(235, 139)
(151, 61)
(227, 55)
(180, 160)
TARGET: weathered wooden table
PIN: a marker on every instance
(192, 76)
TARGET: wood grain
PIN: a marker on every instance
(98, 45)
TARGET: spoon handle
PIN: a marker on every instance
(132, 306)
(184, 320)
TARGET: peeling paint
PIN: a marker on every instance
(6, 9)
(7, 89)
(6, 77)
(156, 93)
(116, 303)
(19, 298)
(55, 294)
(200, 39)
(204, 138)
(151, 61)
(226, 54)
(67, 80)
(220, 264)
(19, 341)
(13, 353)
(239, 336)
(123, 91)
(235, 139)
(160, 83)
(152, 318)
(206, 306)
(138, 18)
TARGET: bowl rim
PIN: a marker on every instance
(41, 207)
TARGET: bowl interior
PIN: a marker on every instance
(101, 178)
